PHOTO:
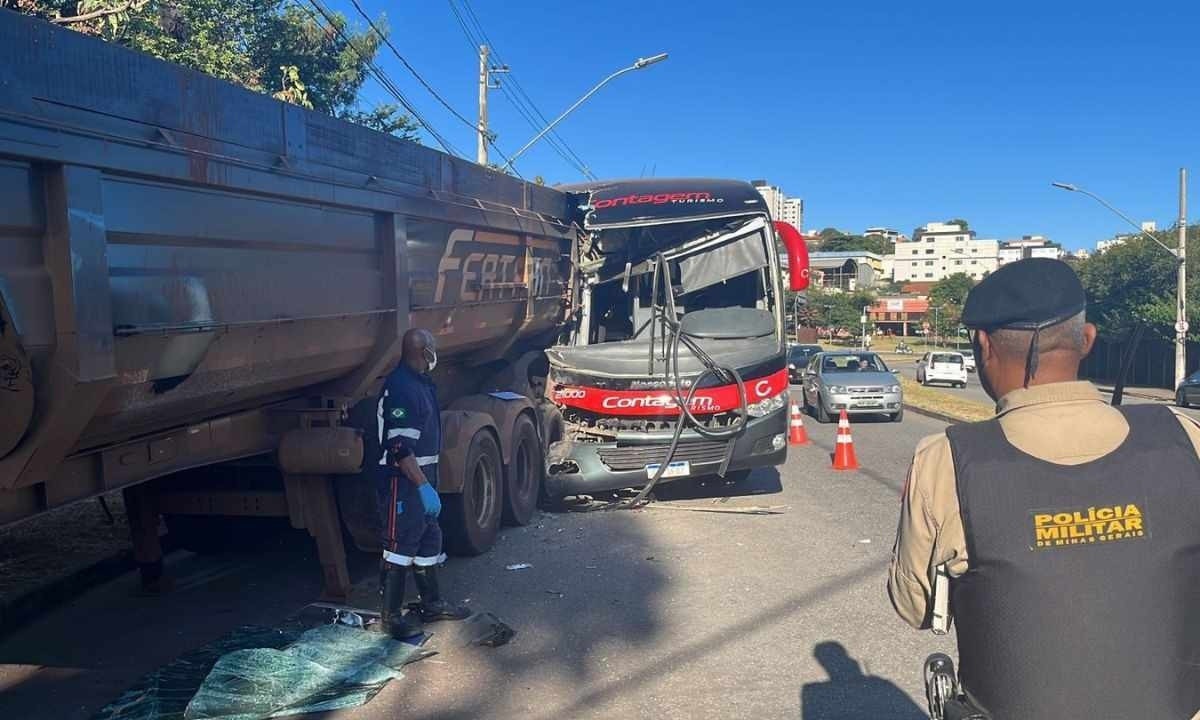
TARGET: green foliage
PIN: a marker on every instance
(384, 118)
(838, 309)
(873, 244)
(830, 232)
(959, 221)
(1135, 283)
(951, 289)
(268, 46)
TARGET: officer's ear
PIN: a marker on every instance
(1089, 340)
(985, 345)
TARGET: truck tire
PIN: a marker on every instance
(219, 534)
(523, 476)
(471, 519)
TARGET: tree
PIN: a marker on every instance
(284, 50)
(959, 221)
(951, 289)
(870, 243)
(384, 118)
(1134, 284)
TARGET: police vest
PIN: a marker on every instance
(1082, 594)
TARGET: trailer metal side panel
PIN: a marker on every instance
(182, 260)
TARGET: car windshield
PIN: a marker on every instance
(862, 362)
(800, 353)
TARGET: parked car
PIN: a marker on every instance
(798, 357)
(969, 360)
(1188, 393)
(857, 382)
(942, 367)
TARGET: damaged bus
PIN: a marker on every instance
(675, 363)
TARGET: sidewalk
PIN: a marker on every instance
(1144, 393)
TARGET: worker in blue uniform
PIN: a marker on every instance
(410, 439)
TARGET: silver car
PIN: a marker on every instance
(858, 382)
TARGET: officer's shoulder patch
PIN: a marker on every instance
(398, 413)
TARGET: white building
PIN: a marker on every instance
(886, 233)
(1104, 245)
(1029, 246)
(941, 249)
(1082, 254)
(788, 209)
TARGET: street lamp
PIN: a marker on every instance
(640, 64)
(1180, 255)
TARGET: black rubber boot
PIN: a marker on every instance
(432, 607)
(391, 591)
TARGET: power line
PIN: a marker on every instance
(380, 75)
(476, 35)
(424, 83)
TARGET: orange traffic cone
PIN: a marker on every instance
(843, 455)
(798, 435)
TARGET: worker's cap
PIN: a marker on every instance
(1025, 295)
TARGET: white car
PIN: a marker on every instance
(969, 359)
(942, 367)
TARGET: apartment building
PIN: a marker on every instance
(937, 250)
(788, 209)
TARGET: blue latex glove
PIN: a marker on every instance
(430, 500)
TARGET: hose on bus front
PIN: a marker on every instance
(673, 337)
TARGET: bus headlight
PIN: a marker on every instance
(767, 406)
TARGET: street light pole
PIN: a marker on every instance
(1181, 323)
(640, 64)
(1180, 254)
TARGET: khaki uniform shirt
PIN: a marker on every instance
(1066, 423)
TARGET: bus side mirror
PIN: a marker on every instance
(797, 252)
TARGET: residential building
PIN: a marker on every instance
(1149, 226)
(1029, 246)
(1082, 254)
(847, 270)
(1105, 245)
(886, 233)
(941, 249)
(788, 209)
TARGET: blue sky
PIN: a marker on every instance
(876, 113)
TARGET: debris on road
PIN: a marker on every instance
(486, 630)
(733, 510)
(865, 541)
(518, 566)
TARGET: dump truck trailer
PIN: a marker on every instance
(202, 290)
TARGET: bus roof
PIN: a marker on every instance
(657, 200)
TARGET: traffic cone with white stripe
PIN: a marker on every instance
(843, 455)
(798, 435)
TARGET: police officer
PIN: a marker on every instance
(1070, 528)
(410, 436)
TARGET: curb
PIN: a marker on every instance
(21, 609)
(951, 419)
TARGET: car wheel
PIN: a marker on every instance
(822, 415)
(1181, 399)
(898, 415)
(471, 519)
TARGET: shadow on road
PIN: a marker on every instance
(851, 695)
(760, 482)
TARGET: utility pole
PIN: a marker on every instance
(485, 83)
(1181, 322)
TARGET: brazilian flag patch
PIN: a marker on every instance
(398, 413)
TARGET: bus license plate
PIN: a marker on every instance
(678, 468)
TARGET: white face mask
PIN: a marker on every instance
(430, 359)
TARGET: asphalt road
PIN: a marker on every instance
(654, 613)
(974, 390)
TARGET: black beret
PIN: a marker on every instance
(1027, 295)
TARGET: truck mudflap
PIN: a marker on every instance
(576, 467)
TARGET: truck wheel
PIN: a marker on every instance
(472, 519)
(218, 534)
(523, 476)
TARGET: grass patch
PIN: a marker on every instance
(919, 396)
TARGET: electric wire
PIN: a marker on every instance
(517, 96)
(424, 83)
(380, 76)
